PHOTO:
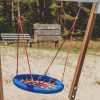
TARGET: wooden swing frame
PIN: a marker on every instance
(83, 51)
(80, 62)
(1, 83)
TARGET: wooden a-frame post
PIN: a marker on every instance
(1, 84)
(80, 62)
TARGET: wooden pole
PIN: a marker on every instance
(1, 85)
(80, 62)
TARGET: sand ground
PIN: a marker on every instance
(88, 89)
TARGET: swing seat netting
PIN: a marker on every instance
(40, 83)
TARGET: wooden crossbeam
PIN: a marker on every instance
(88, 1)
(80, 62)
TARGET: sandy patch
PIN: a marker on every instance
(39, 60)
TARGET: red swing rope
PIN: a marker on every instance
(57, 52)
(71, 31)
(60, 45)
(70, 42)
(20, 29)
(69, 47)
(17, 70)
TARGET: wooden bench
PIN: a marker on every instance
(47, 32)
(13, 37)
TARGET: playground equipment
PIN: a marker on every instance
(36, 83)
(88, 33)
(31, 82)
(40, 83)
(83, 50)
(1, 84)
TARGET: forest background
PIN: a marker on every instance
(45, 11)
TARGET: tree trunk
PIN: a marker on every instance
(13, 16)
(38, 10)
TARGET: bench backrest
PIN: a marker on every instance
(47, 32)
(14, 36)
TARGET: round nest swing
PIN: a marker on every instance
(34, 82)
(40, 83)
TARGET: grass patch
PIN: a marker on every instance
(93, 48)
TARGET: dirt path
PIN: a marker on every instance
(40, 59)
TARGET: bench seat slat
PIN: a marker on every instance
(13, 37)
(16, 38)
(12, 34)
(49, 35)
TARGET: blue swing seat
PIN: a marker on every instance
(58, 84)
